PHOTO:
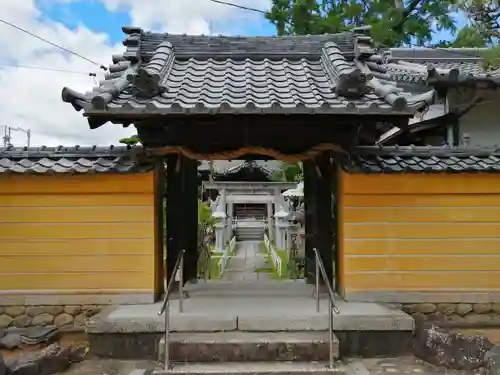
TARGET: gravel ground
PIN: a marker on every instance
(96, 366)
(408, 365)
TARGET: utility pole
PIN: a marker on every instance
(27, 132)
(7, 138)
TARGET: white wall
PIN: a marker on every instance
(482, 124)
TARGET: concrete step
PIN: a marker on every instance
(250, 229)
(249, 346)
(282, 288)
(249, 234)
(255, 368)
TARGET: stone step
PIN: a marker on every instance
(250, 233)
(249, 346)
(283, 288)
(253, 368)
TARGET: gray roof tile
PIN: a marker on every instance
(232, 166)
(411, 159)
(332, 74)
(421, 65)
(71, 160)
(267, 167)
(248, 86)
(171, 74)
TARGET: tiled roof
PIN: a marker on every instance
(411, 159)
(459, 66)
(168, 74)
(71, 160)
(235, 166)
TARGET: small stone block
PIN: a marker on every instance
(492, 361)
(451, 350)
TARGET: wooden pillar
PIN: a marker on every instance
(189, 205)
(182, 214)
(309, 207)
(159, 175)
(174, 211)
(319, 216)
(324, 212)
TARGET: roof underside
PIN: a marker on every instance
(411, 159)
(72, 160)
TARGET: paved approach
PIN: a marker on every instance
(243, 266)
(379, 366)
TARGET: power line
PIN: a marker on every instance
(90, 74)
(52, 44)
(239, 6)
(410, 44)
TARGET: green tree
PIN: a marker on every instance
(290, 172)
(483, 29)
(130, 141)
(396, 22)
(393, 22)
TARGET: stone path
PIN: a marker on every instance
(243, 265)
(374, 366)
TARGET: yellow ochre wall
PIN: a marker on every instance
(419, 237)
(78, 234)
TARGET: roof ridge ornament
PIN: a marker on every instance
(133, 43)
(390, 93)
(349, 81)
(147, 80)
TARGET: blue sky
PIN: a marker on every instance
(92, 14)
(87, 27)
(95, 16)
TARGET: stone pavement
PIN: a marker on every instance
(373, 366)
(283, 305)
(242, 265)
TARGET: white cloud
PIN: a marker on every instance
(186, 16)
(31, 99)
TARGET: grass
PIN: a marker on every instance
(264, 270)
(284, 262)
(214, 261)
(214, 267)
(263, 248)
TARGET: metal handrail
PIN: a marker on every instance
(165, 307)
(320, 269)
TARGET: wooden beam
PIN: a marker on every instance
(219, 133)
